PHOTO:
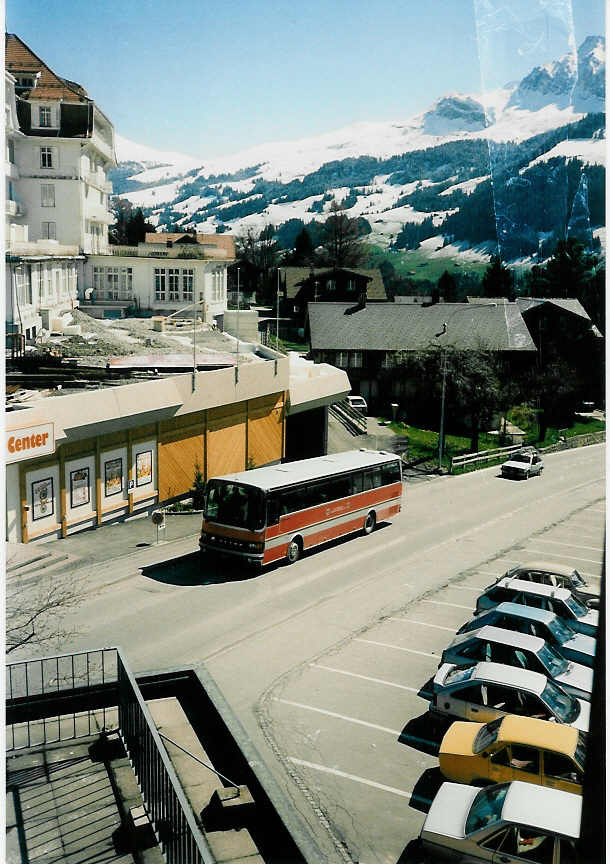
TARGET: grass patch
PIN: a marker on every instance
(417, 265)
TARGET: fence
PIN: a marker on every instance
(352, 419)
(41, 699)
(502, 452)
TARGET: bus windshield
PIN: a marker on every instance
(235, 504)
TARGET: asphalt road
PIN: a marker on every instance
(324, 662)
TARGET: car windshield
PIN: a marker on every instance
(457, 675)
(521, 457)
(578, 609)
(580, 754)
(235, 504)
(486, 808)
(486, 736)
(564, 707)
(560, 630)
(552, 661)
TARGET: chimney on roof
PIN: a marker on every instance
(361, 304)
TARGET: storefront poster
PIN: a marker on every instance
(144, 468)
(113, 472)
(79, 487)
(42, 498)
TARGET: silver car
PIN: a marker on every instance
(558, 600)
(489, 690)
(538, 622)
(523, 464)
(509, 822)
(523, 651)
(557, 576)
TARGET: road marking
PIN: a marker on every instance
(398, 648)
(326, 770)
(423, 623)
(337, 716)
(571, 545)
(468, 587)
(366, 677)
(487, 573)
(562, 554)
(453, 605)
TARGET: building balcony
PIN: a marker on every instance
(103, 146)
(10, 170)
(14, 208)
(144, 250)
(43, 248)
(99, 180)
(97, 213)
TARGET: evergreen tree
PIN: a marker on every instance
(497, 280)
(303, 249)
(447, 287)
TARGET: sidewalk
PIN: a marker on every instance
(100, 545)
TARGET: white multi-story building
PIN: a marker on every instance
(59, 150)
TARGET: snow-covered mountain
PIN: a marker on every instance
(379, 169)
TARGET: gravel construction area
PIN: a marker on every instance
(101, 339)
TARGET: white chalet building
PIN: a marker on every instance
(59, 150)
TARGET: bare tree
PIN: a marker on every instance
(260, 251)
(342, 238)
(35, 613)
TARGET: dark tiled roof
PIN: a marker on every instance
(409, 327)
(223, 242)
(567, 304)
(295, 276)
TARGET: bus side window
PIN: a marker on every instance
(273, 510)
(372, 478)
(357, 483)
(390, 473)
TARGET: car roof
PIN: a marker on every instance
(514, 676)
(521, 611)
(558, 737)
(533, 588)
(543, 566)
(541, 807)
(503, 636)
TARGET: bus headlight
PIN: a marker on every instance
(255, 547)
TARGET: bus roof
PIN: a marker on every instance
(289, 473)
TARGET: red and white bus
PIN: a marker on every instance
(267, 514)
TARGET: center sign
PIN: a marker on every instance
(30, 442)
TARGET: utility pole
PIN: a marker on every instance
(277, 313)
(237, 331)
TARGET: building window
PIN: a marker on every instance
(341, 359)
(330, 285)
(49, 231)
(47, 195)
(11, 151)
(112, 283)
(44, 115)
(174, 284)
(187, 285)
(355, 359)
(46, 157)
(159, 283)
(126, 282)
(98, 276)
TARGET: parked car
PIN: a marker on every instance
(538, 622)
(493, 644)
(359, 403)
(557, 576)
(514, 748)
(523, 464)
(502, 823)
(489, 690)
(558, 600)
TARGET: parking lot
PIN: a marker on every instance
(353, 727)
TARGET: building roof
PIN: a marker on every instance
(409, 327)
(566, 304)
(50, 87)
(294, 277)
(221, 244)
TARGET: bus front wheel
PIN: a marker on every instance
(369, 523)
(293, 553)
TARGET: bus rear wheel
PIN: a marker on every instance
(369, 524)
(293, 553)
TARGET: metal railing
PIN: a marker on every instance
(483, 456)
(52, 679)
(352, 419)
(180, 838)
(45, 693)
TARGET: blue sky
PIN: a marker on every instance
(208, 77)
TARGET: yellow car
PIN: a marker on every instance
(514, 748)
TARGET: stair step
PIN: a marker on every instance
(13, 568)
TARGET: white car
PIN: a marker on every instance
(561, 601)
(557, 576)
(523, 464)
(359, 403)
(489, 690)
(508, 822)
